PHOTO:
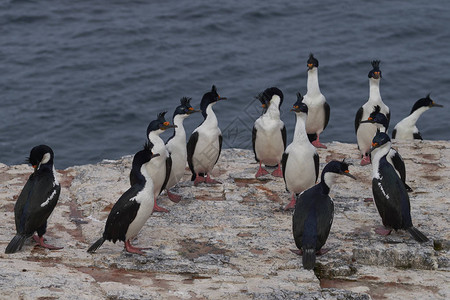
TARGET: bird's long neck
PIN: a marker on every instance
(300, 135)
(180, 133)
(327, 180)
(273, 111)
(210, 118)
(374, 90)
(312, 82)
(377, 154)
(414, 116)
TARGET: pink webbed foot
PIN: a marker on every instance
(159, 208)
(261, 171)
(129, 248)
(365, 160)
(383, 231)
(211, 181)
(316, 143)
(291, 204)
(297, 251)
(368, 199)
(41, 242)
(198, 179)
(278, 172)
(173, 197)
(322, 251)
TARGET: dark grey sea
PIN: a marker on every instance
(86, 77)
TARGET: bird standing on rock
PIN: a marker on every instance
(176, 146)
(300, 161)
(133, 208)
(159, 167)
(205, 143)
(36, 201)
(390, 195)
(393, 157)
(365, 132)
(406, 129)
(269, 133)
(318, 108)
(313, 214)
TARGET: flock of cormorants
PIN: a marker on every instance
(160, 166)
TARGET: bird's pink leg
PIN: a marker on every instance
(132, 249)
(383, 231)
(210, 180)
(278, 172)
(199, 179)
(261, 171)
(365, 160)
(297, 251)
(291, 204)
(159, 208)
(41, 242)
(316, 143)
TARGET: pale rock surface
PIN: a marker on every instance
(232, 241)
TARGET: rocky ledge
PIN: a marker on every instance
(233, 241)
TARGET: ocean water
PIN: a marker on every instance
(86, 77)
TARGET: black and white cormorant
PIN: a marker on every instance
(313, 214)
(318, 108)
(393, 157)
(176, 145)
(205, 143)
(390, 195)
(269, 133)
(406, 129)
(159, 167)
(300, 161)
(365, 132)
(36, 201)
(133, 208)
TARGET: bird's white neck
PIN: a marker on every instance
(180, 133)
(273, 111)
(377, 154)
(312, 83)
(300, 135)
(374, 90)
(211, 119)
(330, 179)
(412, 118)
(158, 143)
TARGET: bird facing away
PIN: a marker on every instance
(366, 131)
(390, 195)
(205, 143)
(36, 201)
(318, 108)
(406, 129)
(300, 161)
(176, 146)
(393, 157)
(313, 214)
(159, 167)
(133, 208)
(269, 133)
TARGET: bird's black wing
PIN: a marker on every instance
(122, 214)
(327, 114)
(301, 213)
(254, 141)
(388, 117)
(391, 198)
(316, 164)
(220, 147)
(325, 213)
(284, 136)
(399, 165)
(284, 159)
(417, 136)
(36, 202)
(168, 170)
(358, 118)
(190, 147)
(394, 133)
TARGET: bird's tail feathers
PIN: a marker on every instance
(96, 245)
(417, 235)
(16, 244)
(309, 258)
